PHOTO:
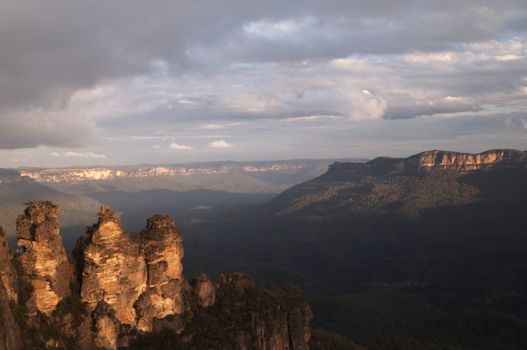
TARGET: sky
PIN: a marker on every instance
(158, 81)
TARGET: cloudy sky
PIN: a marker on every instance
(158, 81)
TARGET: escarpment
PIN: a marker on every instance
(500, 158)
(434, 160)
(128, 291)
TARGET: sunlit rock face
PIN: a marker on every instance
(429, 162)
(131, 287)
(43, 257)
(113, 268)
(162, 247)
(136, 279)
(467, 161)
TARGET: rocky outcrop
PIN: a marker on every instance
(162, 247)
(43, 258)
(428, 162)
(113, 276)
(204, 289)
(128, 282)
(128, 288)
(8, 276)
(273, 318)
(9, 329)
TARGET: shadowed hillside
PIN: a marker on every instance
(441, 235)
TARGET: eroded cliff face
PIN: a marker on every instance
(468, 161)
(43, 257)
(9, 329)
(114, 270)
(428, 161)
(128, 281)
(162, 247)
(273, 318)
(282, 324)
(8, 276)
(128, 288)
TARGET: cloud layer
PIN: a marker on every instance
(109, 76)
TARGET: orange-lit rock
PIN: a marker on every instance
(43, 257)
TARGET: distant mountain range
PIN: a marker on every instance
(425, 252)
(142, 190)
(15, 190)
(243, 177)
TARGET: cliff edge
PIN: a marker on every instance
(128, 291)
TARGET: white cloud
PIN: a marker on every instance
(453, 99)
(179, 147)
(508, 57)
(274, 30)
(213, 126)
(79, 155)
(427, 58)
(220, 144)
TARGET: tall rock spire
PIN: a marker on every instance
(42, 256)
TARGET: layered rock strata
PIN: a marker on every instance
(128, 288)
(430, 160)
(161, 244)
(114, 269)
(43, 257)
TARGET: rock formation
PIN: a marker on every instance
(114, 270)
(43, 258)
(8, 277)
(130, 280)
(279, 327)
(162, 247)
(9, 329)
(204, 289)
(129, 290)
(430, 160)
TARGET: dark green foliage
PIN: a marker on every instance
(160, 341)
(431, 249)
(212, 328)
(325, 340)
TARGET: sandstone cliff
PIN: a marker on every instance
(43, 257)
(435, 160)
(9, 329)
(242, 317)
(129, 290)
(467, 161)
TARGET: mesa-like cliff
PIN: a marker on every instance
(128, 291)
(433, 161)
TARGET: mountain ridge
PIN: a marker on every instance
(445, 242)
